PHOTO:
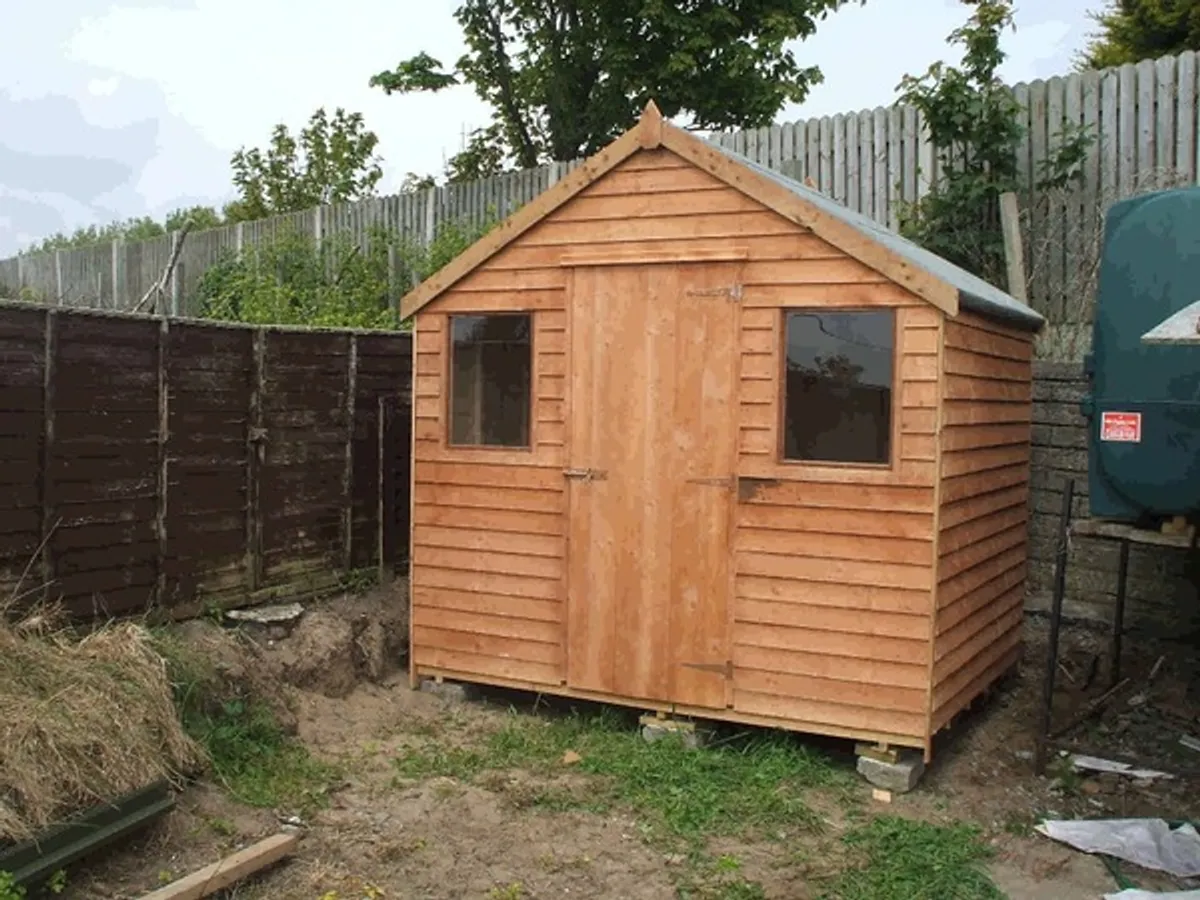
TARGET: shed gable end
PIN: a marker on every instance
(657, 207)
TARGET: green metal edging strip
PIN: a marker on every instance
(34, 861)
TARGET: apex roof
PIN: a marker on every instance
(940, 282)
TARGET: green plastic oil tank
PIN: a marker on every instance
(1143, 408)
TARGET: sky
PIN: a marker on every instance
(111, 109)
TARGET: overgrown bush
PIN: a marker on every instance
(972, 119)
(292, 279)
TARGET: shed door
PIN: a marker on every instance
(651, 450)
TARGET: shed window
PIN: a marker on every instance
(490, 364)
(838, 386)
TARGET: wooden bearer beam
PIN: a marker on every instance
(879, 752)
(230, 870)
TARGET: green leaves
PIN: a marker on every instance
(332, 160)
(972, 120)
(293, 280)
(565, 77)
(1133, 30)
(421, 73)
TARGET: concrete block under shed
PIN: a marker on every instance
(655, 728)
(452, 691)
(899, 777)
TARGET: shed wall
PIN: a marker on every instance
(982, 517)
(835, 563)
(831, 631)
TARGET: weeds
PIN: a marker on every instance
(741, 787)
(901, 859)
(249, 752)
(718, 879)
(256, 761)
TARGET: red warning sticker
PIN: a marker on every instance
(1125, 427)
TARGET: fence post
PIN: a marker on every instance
(430, 220)
(176, 276)
(255, 457)
(58, 285)
(164, 421)
(49, 520)
(238, 237)
(348, 471)
(926, 158)
(386, 512)
(20, 273)
(118, 274)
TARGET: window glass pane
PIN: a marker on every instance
(838, 391)
(490, 366)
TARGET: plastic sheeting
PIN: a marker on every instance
(1150, 843)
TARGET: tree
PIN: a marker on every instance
(1133, 30)
(201, 217)
(564, 77)
(413, 182)
(142, 228)
(330, 161)
(137, 229)
(972, 120)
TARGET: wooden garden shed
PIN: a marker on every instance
(692, 437)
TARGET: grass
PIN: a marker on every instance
(745, 788)
(256, 762)
(248, 751)
(742, 787)
(902, 859)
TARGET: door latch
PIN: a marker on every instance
(585, 474)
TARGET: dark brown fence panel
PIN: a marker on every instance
(22, 354)
(178, 464)
(306, 403)
(210, 380)
(384, 371)
(101, 473)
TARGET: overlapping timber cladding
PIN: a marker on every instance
(692, 437)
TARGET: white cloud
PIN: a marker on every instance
(215, 75)
(103, 87)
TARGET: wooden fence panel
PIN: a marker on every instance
(166, 464)
(209, 379)
(381, 366)
(305, 397)
(22, 368)
(101, 462)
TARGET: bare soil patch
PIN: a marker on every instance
(531, 832)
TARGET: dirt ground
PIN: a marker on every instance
(339, 676)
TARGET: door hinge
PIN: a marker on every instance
(733, 292)
(725, 668)
(586, 474)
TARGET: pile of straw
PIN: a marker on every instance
(82, 721)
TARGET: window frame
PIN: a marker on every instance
(448, 380)
(781, 456)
